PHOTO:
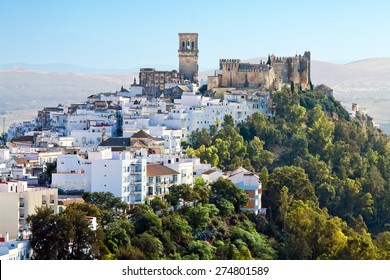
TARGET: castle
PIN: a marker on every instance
(266, 75)
(270, 75)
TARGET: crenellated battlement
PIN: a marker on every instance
(275, 72)
(229, 60)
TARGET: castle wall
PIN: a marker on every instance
(213, 82)
(150, 78)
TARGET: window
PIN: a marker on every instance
(192, 45)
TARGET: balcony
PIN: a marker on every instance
(136, 190)
(137, 180)
(21, 205)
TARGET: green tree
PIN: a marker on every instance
(382, 242)
(50, 239)
(199, 137)
(201, 191)
(159, 205)
(292, 177)
(225, 189)
(200, 216)
(149, 245)
(200, 250)
(258, 156)
(145, 220)
(83, 239)
(320, 132)
(228, 120)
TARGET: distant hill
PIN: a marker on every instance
(27, 86)
(31, 88)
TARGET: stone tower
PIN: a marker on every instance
(188, 56)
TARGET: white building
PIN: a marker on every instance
(183, 166)
(119, 173)
(4, 154)
(211, 175)
(172, 138)
(193, 112)
(250, 183)
(90, 138)
(73, 174)
(160, 179)
(14, 249)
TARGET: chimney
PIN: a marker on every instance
(6, 237)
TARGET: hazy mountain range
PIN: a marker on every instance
(24, 88)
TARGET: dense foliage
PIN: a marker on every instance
(326, 187)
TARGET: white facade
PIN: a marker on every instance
(4, 154)
(84, 119)
(92, 137)
(172, 138)
(184, 166)
(120, 174)
(211, 175)
(48, 157)
(250, 183)
(73, 174)
(14, 249)
(193, 112)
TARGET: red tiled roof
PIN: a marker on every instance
(154, 169)
(21, 160)
(208, 172)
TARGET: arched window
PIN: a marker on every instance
(192, 45)
(183, 45)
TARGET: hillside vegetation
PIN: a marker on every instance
(325, 182)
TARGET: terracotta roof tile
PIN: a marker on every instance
(154, 169)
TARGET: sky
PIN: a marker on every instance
(119, 34)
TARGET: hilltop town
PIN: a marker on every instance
(139, 143)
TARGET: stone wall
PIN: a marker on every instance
(283, 70)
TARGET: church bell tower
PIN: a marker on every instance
(188, 56)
